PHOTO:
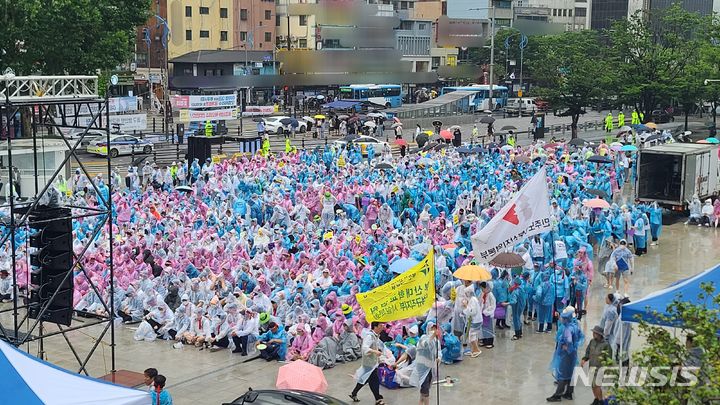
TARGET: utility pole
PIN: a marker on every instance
(492, 52)
(287, 15)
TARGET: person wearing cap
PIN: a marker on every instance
(246, 328)
(597, 353)
(568, 340)
(372, 349)
(517, 301)
(623, 261)
(275, 341)
(426, 360)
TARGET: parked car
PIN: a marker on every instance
(274, 126)
(520, 106)
(91, 135)
(661, 117)
(296, 397)
(120, 145)
(363, 142)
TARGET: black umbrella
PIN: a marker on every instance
(508, 128)
(428, 146)
(464, 150)
(258, 119)
(578, 142)
(653, 137)
(441, 146)
(184, 189)
(435, 137)
(437, 123)
(597, 192)
(350, 138)
(477, 149)
(384, 166)
(492, 145)
(422, 138)
(487, 120)
(599, 159)
(286, 121)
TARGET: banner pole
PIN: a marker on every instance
(552, 261)
(439, 338)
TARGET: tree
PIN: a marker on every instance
(70, 36)
(481, 56)
(651, 53)
(663, 349)
(573, 72)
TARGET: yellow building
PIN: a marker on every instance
(200, 25)
(302, 24)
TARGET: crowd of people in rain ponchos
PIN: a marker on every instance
(273, 251)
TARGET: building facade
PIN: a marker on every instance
(254, 24)
(414, 40)
(200, 25)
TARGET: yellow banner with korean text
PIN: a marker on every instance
(410, 294)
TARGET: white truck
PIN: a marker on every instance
(520, 106)
(671, 174)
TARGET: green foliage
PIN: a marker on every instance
(655, 56)
(664, 349)
(572, 73)
(69, 36)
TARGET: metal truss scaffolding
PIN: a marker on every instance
(49, 106)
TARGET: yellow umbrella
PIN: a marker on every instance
(319, 117)
(473, 273)
(428, 132)
(651, 125)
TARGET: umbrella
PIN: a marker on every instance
(401, 265)
(629, 148)
(423, 247)
(653, 137)
(473, 273)
(301, 375)
(376, 115)
(396, 119)
(401, 142)
(551, 146)
(425, 161)
(651, 125)
(423, 137)
(599, 159)
(522, 159)
(370, 124)
(464, 150)
(184, 189)
(597, 192)
(445, 134)
(350, 138)
(309, 119)
(343, 117)
(640, 127)
(435, 138)
(712, 140)
(383, 166)
(487, 120)
(477, 149)
(624, 129)
(454, 127)
(578, 142)
(319, 117)
(441, 146)
(258, 119)
(616, 144)
(507, 260)
(703, 141)
(286, 121)
(507, 148)
(437, 123)
(508, 128)
(597, 203)
(428, 132)
(395, 125)
(353, 119)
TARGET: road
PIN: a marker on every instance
(167, 152)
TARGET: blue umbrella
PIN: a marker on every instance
(401, 265)
(640, 127)
(712, 140)
(629, 148)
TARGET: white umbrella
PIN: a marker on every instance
(507, 148)
(309, 119)
(395, 125)
(370, 124)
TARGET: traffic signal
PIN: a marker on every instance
(51, 263)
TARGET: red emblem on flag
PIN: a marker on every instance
(511, 216)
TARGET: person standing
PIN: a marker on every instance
(621, 119)
(208, 129)
(475, 134)
(426, 360)
(261, 128)
(567, 341)
(596, 353)
(609, 122)
(518, 300)
(623, 260)
(634, 117)
(488, 306)
(368, 371)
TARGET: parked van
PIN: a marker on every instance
(520, 106)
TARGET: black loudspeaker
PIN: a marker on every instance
(199, 148)
(51, 279)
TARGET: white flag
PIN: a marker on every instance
(512, 76)
(527, 214)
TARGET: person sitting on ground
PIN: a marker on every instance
(160, 396)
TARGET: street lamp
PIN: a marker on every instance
(492, 50)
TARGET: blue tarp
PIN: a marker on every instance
(341, 105)
(686, 290)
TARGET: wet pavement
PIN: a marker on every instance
(514, 372)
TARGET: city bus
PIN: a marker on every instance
(389, 95)
(482, 92)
